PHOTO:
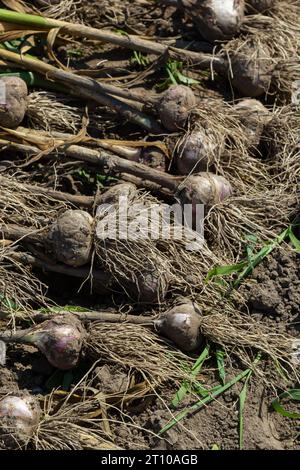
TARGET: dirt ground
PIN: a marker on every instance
(273, 293)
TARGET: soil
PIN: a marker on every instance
(273, 293)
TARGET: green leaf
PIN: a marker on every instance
(140, 59)
(121, 31)
(294, 240)
(215, 447)
(293, 395)
(220, 354)
(172, 77)
(246, 267)
(242, 401)
(186, 387)
(204, 392)
(7, 303)
(69, 308)
(175, 76)
(252, 239)
(186, 80)
(225, 270)
(101, 179)
(262, 254)
(75, 53)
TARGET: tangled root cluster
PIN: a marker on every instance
(131, 257)
(282, 142)
(19, 206)
(153, 255)
(58, 9)
(264, 215)
(18, 286)
(53, 112)
(136, 347)
(265, 60)
(227, 152)
(243, 335)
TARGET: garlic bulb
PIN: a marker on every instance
(175, 106)
(13, 101)
(19, 417)
(215, 19)
(204, 188)
(71, 237)
(59, 339)
(181, 324)
(198, 151)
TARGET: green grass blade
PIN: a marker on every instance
(201, 403)
(185, 387)
(262, 254)
(171, 77)
(294, 395)
(246, 267)
(204, 392)
(252, 240)
(68, 308)
(220, 355)
(242, 401)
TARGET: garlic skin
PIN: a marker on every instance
(198, 151)
(253, 116)
(181, 325)
(120, 190)
(71, 237)
(204, 188)
(60, 340)
(13, 103)
(175, 106)
(215, 19)
(252, 68)
(149, 286)
(19, 418)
